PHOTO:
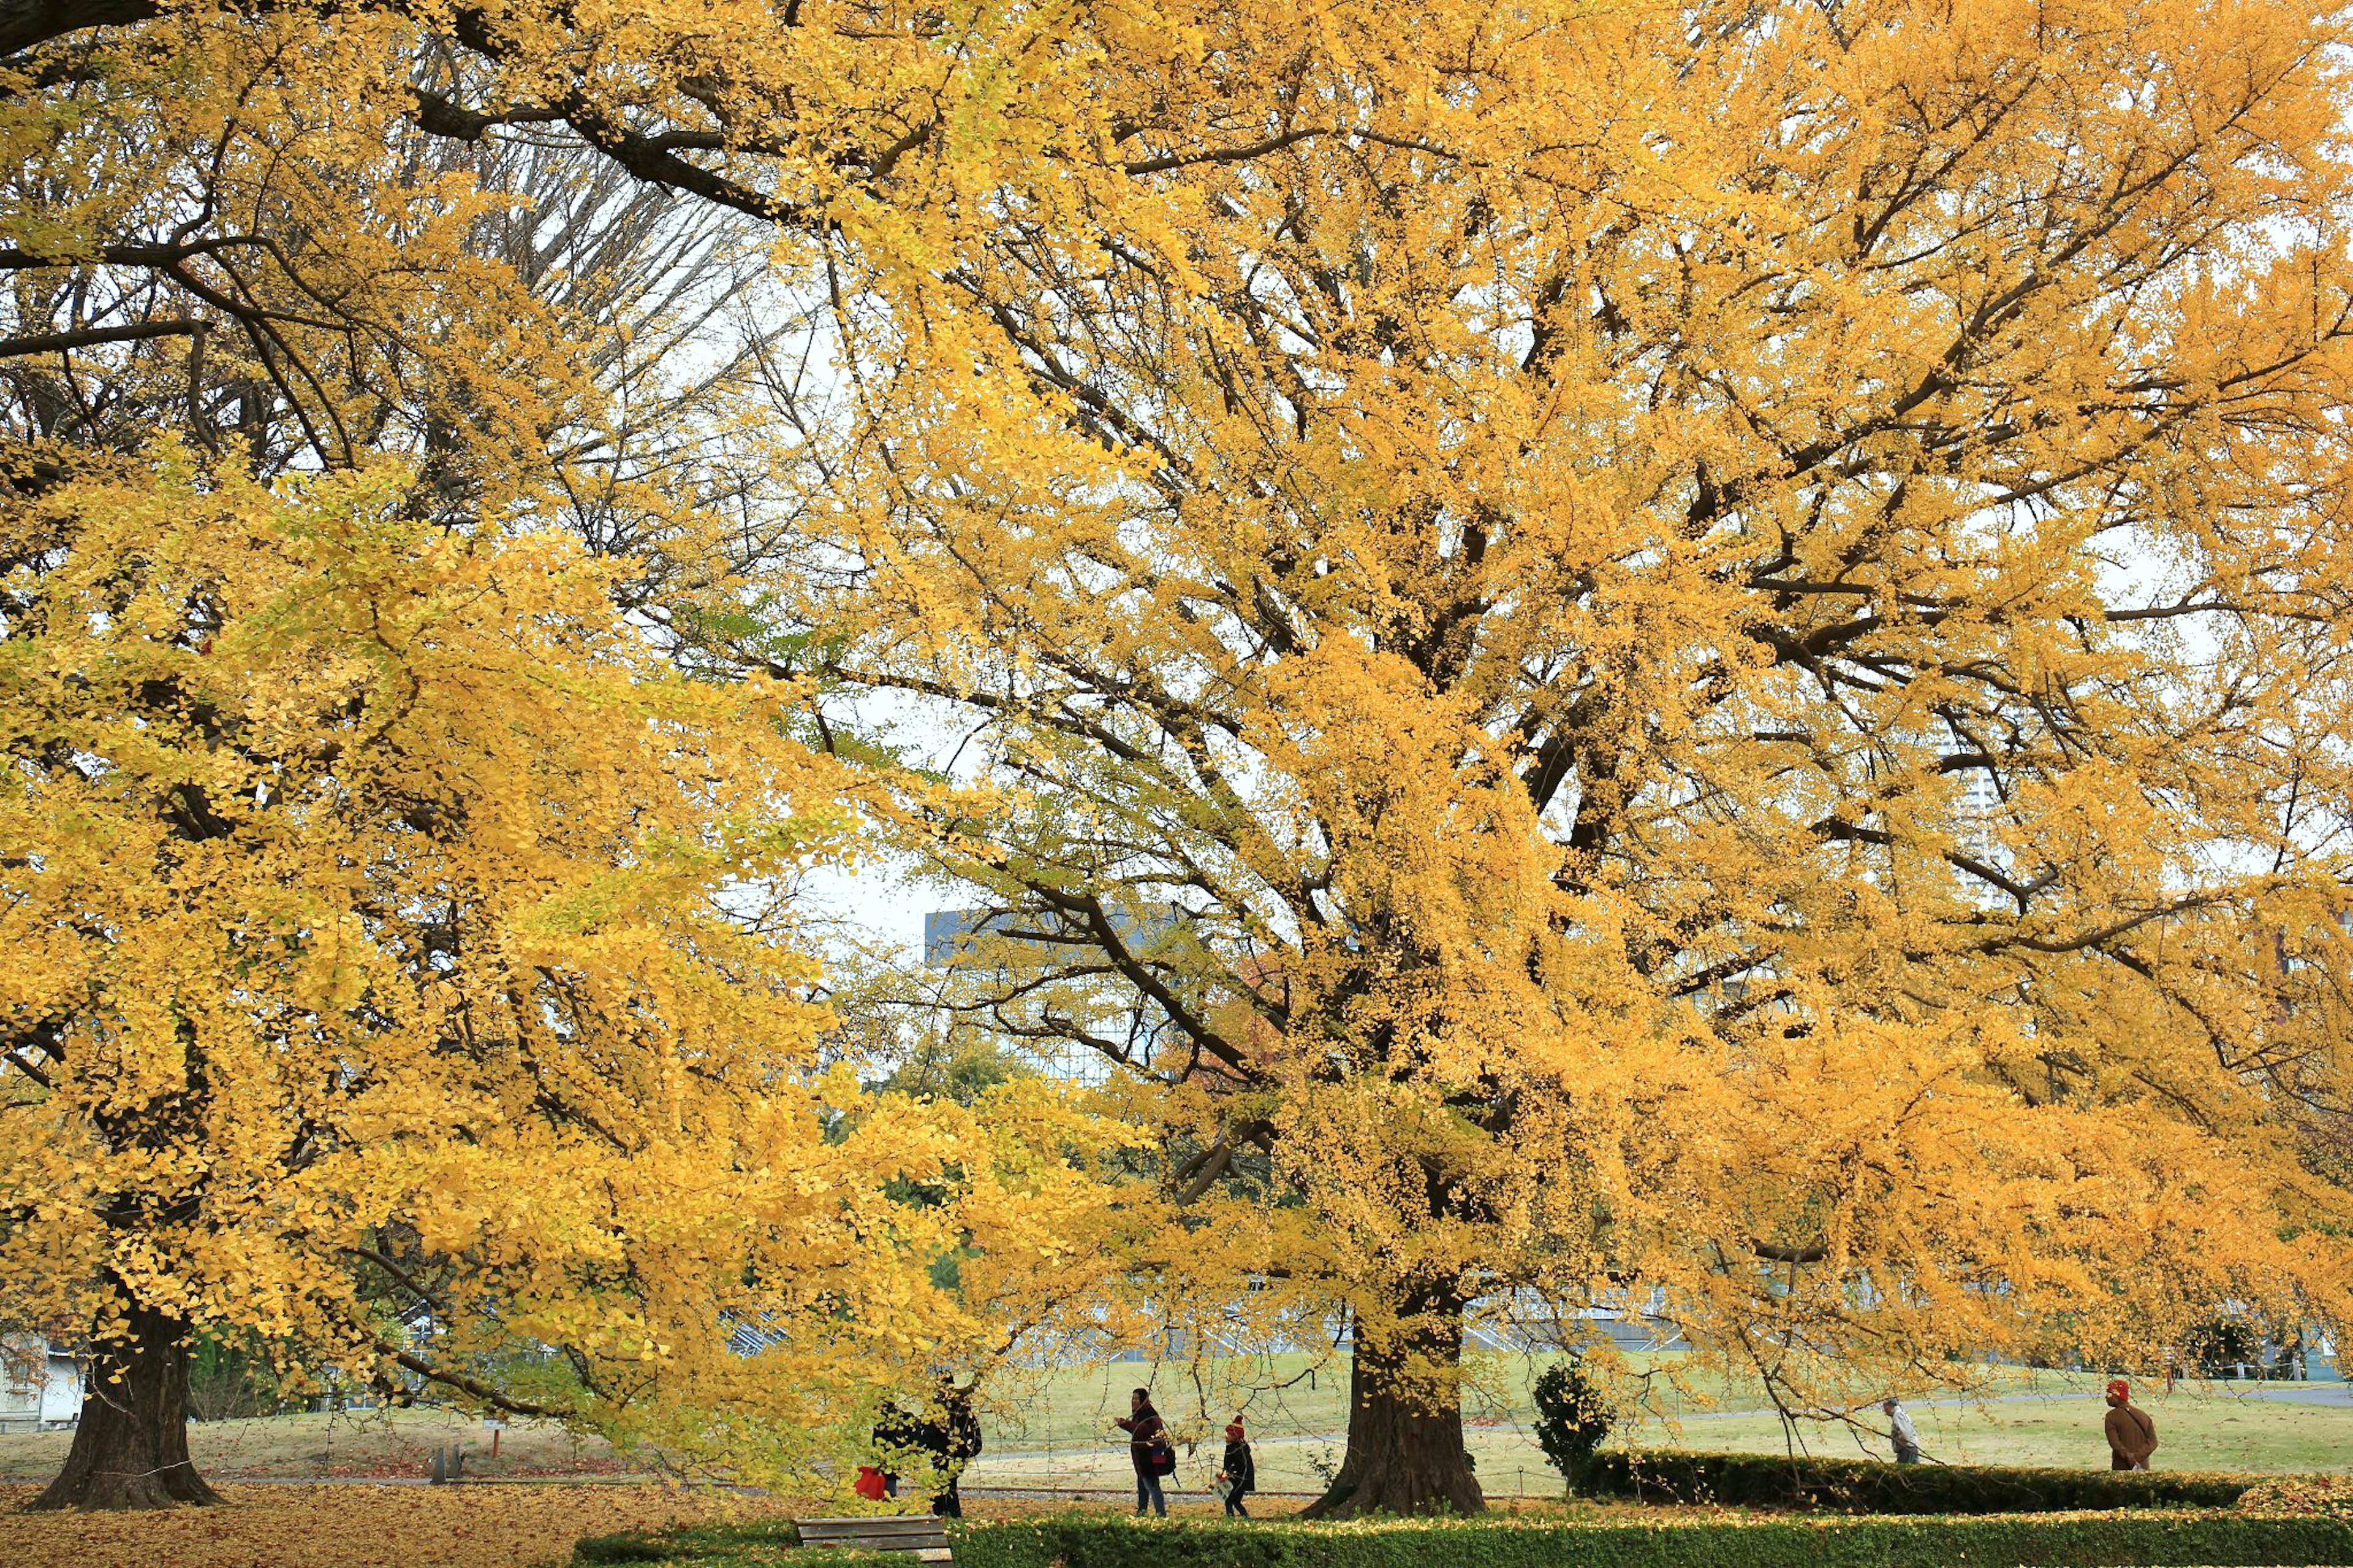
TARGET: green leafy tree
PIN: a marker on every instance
(1574, 1414)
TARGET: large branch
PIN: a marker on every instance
(464, 1385)
(1840, 830)
(48, 1038)
(400, 1276)
(1088, 910)
(1202, 1173)
(1161, 165)
(28, 24)
(90, 337)
(2099, 940)
(652, 154)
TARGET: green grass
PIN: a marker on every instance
(1062, 1434)
(2211, 1429)
(1057, 1431)
(373, 1442)
(1282, 1396)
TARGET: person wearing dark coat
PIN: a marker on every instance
(1240, 1472)
(1147, 1436)
(948, 1435)
(951, 1436)
(897, 1433)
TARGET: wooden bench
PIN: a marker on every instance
(922, 1536)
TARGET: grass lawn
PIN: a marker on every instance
(1281, 1396)
(349, 1443)
(2211, 1429)
(1067, 1439)
(1300, 1395)
(1059, 1433)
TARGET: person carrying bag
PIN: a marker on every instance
(1239, 1478)
(1149, 1449)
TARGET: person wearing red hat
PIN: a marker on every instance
(2132, 1431)
(1237, 1476)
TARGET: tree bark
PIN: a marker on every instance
(130, 1449)
(1405, 1429)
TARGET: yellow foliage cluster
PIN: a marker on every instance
(402, 978)
(396, 977)
(1726, 622)
(1729, 625)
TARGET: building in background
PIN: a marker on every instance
(996, 944)
(40, 1385)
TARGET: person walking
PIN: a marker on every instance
(1148, 1449)
(1900, 1432)
(1238, 1478)
(2132, 1431)
(898, 1437)
(950, 1437)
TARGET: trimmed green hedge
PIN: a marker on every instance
(2143, 1540)
(1875, 1486)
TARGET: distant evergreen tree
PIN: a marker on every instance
(1573, 1415)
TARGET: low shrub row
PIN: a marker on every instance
(2216, 1540)
(1874, 1486)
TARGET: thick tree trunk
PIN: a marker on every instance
(1405, 1427)
(132, 1448)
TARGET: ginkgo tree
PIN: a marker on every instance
(1723, 620)
(298, 238)
(1720, 633)
(184, 173)
(394, 974)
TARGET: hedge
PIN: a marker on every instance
(2144, 1541)
(1875, 1486)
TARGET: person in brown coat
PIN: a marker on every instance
(2132, 1431)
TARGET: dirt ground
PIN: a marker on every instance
(359, 1526)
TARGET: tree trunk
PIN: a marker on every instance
(132, 1448)
(1405, 1430)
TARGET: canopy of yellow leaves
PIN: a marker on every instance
(1728, 624)
(1727, 619)
(386, 933)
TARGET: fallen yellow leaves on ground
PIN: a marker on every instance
(363, 1526)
